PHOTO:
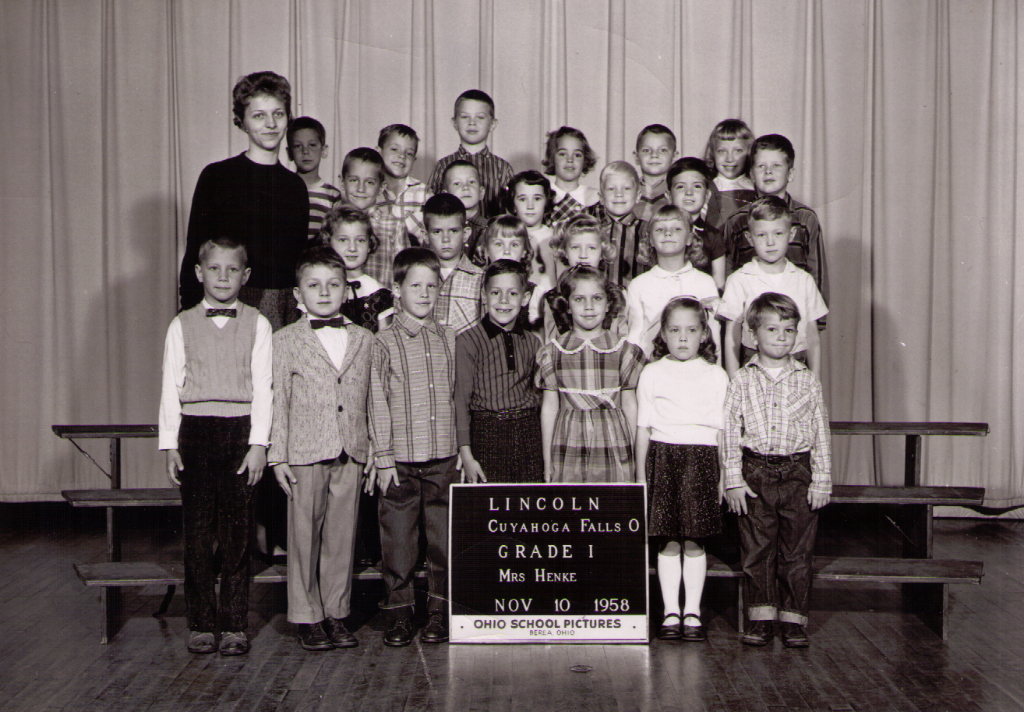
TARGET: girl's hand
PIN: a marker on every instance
(547, 475)
(471, 470)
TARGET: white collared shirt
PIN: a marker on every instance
(649, 292)
(334, 340)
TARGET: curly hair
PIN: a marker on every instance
(567, 283)
(707, 349)
(345, 214)
(647, 255)
(579, 224)
(269, 83)
(551, 148)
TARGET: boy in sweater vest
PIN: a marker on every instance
(216, 406)
(319, 445)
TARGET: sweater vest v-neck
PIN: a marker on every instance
(218, 363)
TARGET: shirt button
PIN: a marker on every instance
(339, 379)
(431, 417)
(773, 427)
(430, 385)
(340, 409)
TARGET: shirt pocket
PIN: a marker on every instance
(799, 406)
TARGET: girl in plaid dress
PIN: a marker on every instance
(589, 378)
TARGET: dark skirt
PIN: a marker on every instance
(507, 445)
(682, 491)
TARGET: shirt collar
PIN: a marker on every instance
(660, 187)
(232, 305)
(494, 330)
(412, 325)
(754, 267)
(661, 272)
(791, 364)
(465, 154)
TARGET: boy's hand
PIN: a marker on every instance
(255, 461)
(174, 466)
(285, 478)
(737, 498)
(817, 500)
(385, 476)
(369, 476)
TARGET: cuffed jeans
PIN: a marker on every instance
(777, 537)
(422, 492)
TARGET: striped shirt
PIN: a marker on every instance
(322, 197)
(392, 238)
(408, 206)
(646, 207)
(458, 298)
(494, 371)
(412, 380)
(625, 233)
(776, 417)
(495, 173)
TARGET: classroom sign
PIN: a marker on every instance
(548, 563)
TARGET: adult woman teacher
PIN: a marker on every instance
(254, 199)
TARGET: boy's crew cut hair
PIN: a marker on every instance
(458, 163)
(503, 226)
(771, 303)
(415, 257)
(690, 163)
(530, 177)
(443, 205)
(225, 243)
(269, 83)
(344, 214)
(306, 122)
(774, 142)
(474, 95)
(769, 207)
(400, 129)
(366, 155)
(319, 256)
(706, 350)
(567, 282)
(622, 168)
(727, 131)
(576, 225)
(694, 252)
(657, 130)
(500, 267)
(551, 148)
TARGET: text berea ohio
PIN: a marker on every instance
(548, 563)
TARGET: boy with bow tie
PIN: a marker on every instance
(319, 447)
(215, 411)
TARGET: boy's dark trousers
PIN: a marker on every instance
(422, 492)
(217, 508)
(777, 537)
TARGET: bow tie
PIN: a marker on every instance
(336, 322)
(222, 312)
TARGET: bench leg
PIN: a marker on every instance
(110, 612)
(165, 604)
(739, 605)
(930, 601)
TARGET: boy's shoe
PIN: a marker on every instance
(201, 643)
(436, 630)
(693, 633)
(400, 633)
(234, 643)
(670, 631)
(759, 633)
(313, 637)
(792, 635)
(338, 633)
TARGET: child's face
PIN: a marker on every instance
(505, 298)
(361, 184)
(473, 120)
(399, 153)
(321, 290)
(265, 121)
(771, 238)
(529, 203)
(447, 236)
(506, 248)
(683, 334)
(568, 159)
(655, 154)
(689, 192)
(771, 172)
(618, 193)
(464, 183)
(775, 337)
(670, 237)
(584, 249)
(351, 242)
(730, 156)
(222, 275)
(418, 293)
(306, 150)
(588, 304)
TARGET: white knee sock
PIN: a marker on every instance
(695, 568)
(669, 571)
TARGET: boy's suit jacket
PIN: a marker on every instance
(319, 411)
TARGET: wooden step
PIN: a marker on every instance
(880, 570)
(157, 497)
(952, 496)
(148, 573)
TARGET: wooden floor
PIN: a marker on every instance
(866, 653)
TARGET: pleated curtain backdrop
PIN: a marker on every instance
(905, 117)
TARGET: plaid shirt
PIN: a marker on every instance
(412, 382)
(408, 206)
(645, 207)
(625, 233)
(392, 239)
(458, 299)
(780, 417)
(495, 173)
